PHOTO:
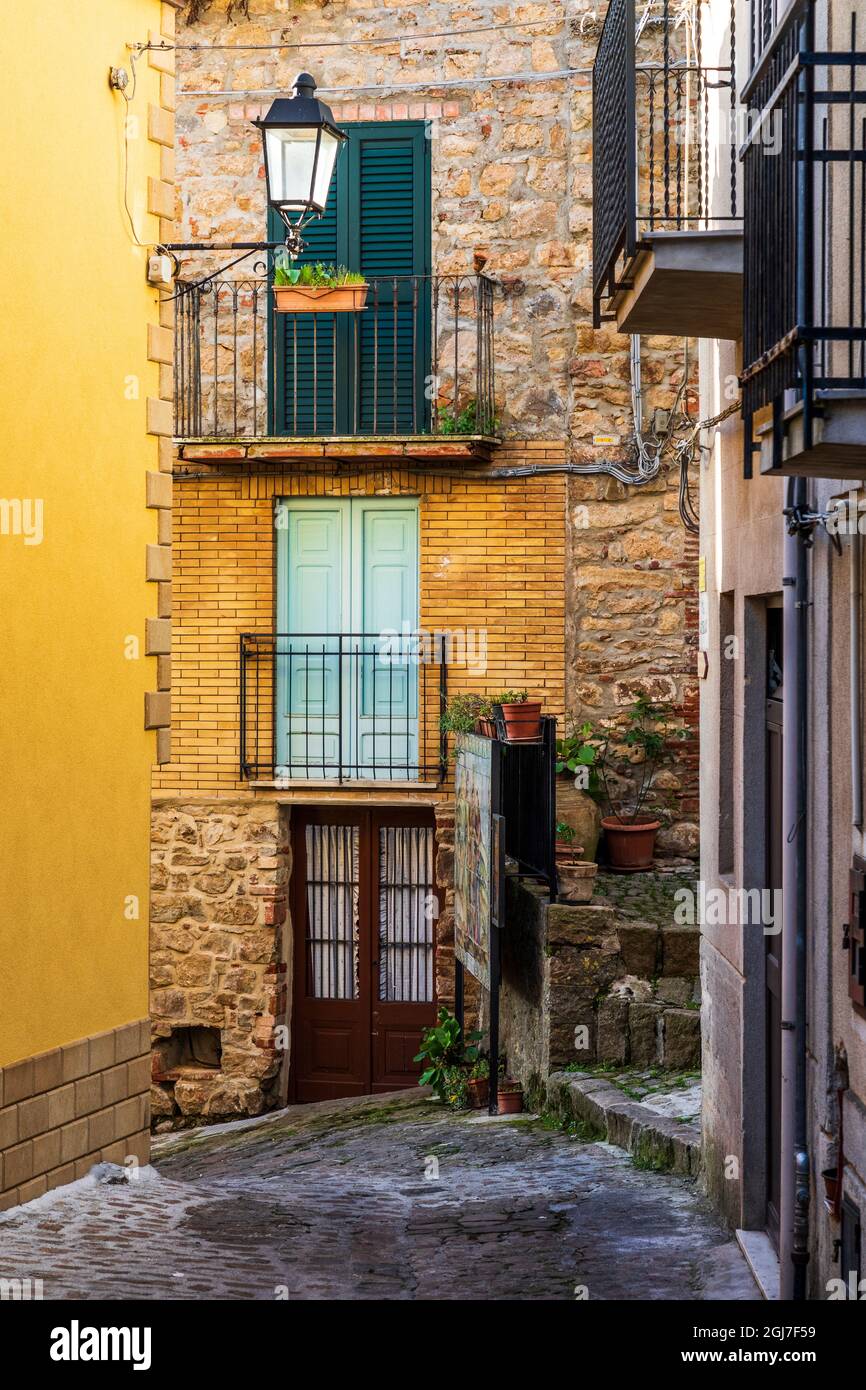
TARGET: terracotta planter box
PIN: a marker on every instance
(509, 1102)
(630, 844)
(522, 722)
(486, 727)
(478, 1090)
(303, 299)
(575, 879)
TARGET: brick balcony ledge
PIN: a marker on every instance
(430, 448)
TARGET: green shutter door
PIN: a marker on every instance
(313, 552)
(385, 591)
(347, 573)
(364, 373)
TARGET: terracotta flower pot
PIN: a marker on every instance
(831, 1184)
(478, 1090)
(523, 721)
(575, 880)
(323, 299)
(630, 844)
(510, 1101)
(486, 727)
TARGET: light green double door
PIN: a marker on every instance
(346, 683)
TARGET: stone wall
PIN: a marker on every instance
(218, 959)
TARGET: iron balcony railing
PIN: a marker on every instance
(343, 707)
(804, 184)
(656, 154)
(417, 360)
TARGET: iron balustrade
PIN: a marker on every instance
(343, 707)
(417, 360)
(804, 287)
(653, 161)
(527, 799)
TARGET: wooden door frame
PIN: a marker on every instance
(344, 813)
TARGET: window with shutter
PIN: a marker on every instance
(364, 373)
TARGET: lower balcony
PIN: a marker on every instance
(409, 375)
(347, 709)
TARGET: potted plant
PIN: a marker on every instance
(521, 716)
(575, 877)
(478, 1083)
(578, 783)
(444, 1051)
(467, 713)
(630, 835)
(317, 289)
(509, 1096)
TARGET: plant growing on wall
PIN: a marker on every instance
(196, 9)
(577, 751)
(645, 743)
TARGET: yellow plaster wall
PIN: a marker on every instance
(75, 759)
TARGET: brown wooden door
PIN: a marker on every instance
(363, 887)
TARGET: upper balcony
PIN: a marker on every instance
(410, 375)
(804, 345)
(667, 236)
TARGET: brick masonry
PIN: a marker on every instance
(64, 1110)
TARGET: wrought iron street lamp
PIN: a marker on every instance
(301, 143)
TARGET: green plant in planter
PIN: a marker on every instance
(511, 697)
(480, 1069)
(443, 1048)
(450, 420)
(564, 832)
(315, 277)
(461, 713)
(577, 752)
(648, 733)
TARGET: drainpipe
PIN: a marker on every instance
(794, 1214)
(854, 608)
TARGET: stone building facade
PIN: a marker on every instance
(584, 586)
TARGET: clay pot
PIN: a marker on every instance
(522, 722)
(575, 880)
(304, 299)
(831, 1184)
(577, 808)
(478, 1091)
(630, 844)
(509, 1098)
(485, 727)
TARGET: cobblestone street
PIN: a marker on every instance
(382, 1198)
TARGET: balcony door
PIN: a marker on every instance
(346, 693)
(364, 373)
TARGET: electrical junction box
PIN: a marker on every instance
(159, 270)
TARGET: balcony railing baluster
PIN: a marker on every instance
(243, 371)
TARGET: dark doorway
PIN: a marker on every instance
(364, 914)
(773, 976)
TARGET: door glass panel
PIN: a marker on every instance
(332, 950)
(405, 921)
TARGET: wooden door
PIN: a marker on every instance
(363, 911)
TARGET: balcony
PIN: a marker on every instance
(410, 375)
(359, 709)
(804, 346)
(667, 237)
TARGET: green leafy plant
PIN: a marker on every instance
(315, 277)
(564, 832)
(443, 1048)
(462, 712)
(647, 734)
(511, 697)
(480, 1069)
(576, 751)
(451, 420)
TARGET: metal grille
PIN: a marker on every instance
(804, 170)
(406, 892)
(332, 911)
(417, 360)
(613, 164)
(343, 707)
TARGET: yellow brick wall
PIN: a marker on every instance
(492, 557)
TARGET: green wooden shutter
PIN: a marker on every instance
(370, 368)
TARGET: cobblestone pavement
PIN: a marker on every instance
(389, 1197)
